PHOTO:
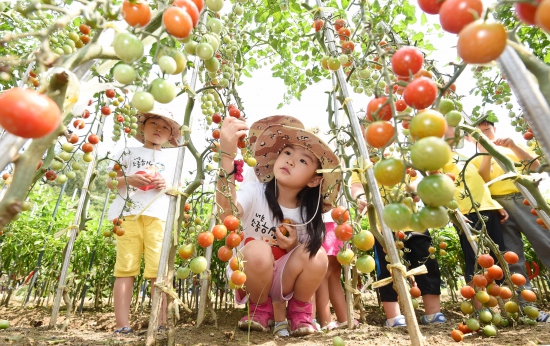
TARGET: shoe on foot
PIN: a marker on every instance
(299, 315)
(544, 317)
(124, 330)
(438, 318)
(398, 321)
(332, 325)
(344, 325)
(281, 329)
(261, 316)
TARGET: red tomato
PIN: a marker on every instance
(529, 296)
(110, 93)
(106, 110)
(518, 279)
(343, 232)
(407, 61)
(344, 33)
(93, 139)
(177, 22)
(415, 292)
(485, 261)
(505, 293)
(234, 263)
(85, 29)
(493, 289)
(318, 24)
(430, 6)
(235, 112)
(339, 215)
(219, 231)
(495, 272)
(225, 253)
(79, 124)
(205, 239)
(199, 4)
(87, 148)
(86, 114)
(50, 175)
(231, 222)
(457, 335)
(238, 278)
(338, 24)
(6, 176)
(542, 16)
(85, 39)
(120, 118)
(511, 257)
(480, 280)
(191, 9)
(420, 93)
(136, 13)
(28, 114)
(233, 240)
(481, 42)
(216, 118)
(379, 134)
(73, 138)
(216, 134)
(384, 113)
(526, 11)
(456, 14)
(400, 106)
(467, 292)
(348, 47)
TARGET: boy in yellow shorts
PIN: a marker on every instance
(145, 171)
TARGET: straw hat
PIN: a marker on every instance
(274, 138)
(262, 124)
(167, 116)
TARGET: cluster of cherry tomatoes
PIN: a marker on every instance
(485, 290)
(333, 63)
(534, 212)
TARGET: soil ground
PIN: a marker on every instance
(29, 327)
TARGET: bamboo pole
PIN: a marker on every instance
(399, 278)
(73, 232)
(85, 289)
(166, 244)
(41, 254)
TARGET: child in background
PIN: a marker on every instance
(289, 189)
(429, 283)
(147, 170)
(331, 287)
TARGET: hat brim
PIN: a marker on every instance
(276, 137)
(260, 125)
(173, 141)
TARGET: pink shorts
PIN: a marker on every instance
(331, 244)
(276, 290)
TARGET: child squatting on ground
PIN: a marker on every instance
(147, 170)
(280, 268)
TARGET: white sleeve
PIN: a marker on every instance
(247, 196)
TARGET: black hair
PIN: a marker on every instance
(308, 198)
(488, 122)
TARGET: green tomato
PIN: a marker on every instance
(333, 64)
(76, 166)
(65, 156)
(454, 118)
(212, 65)
(124, 74)
(485, 316)
(67, 49)
(531, 311)
(74, 36)
(61, 179)
(198, 264)
(68, 147)
(88, 157)
(71, 44)
(214, 5)
(238, 10)
(56, 165)
(343, 59)
(472, 324)
(364, 73)
(436, 190)
(128, 47)
(213, 41)
(489, 330)
(162, 90)
(215, 25)
(365, 264)
(205, 51)
(345, 257)
(497, 318)
(167, 64)
(190, 47)
(445, 106)
(71, 175)
(430, 153)
(338, 341)
(434, 217)
(397, 216)
(143, 101)
(4, 324)
(183, 273)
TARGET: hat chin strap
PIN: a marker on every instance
(316, 209)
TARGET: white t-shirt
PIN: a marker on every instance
(134, 160)
(258, 221)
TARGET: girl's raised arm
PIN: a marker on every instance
(232, 129)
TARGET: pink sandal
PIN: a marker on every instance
(260, 318)
(299, 315)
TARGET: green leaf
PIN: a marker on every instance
(423, 19)
(280, 105)
(344, 4)
(418, 36)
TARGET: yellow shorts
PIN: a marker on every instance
(143, 236)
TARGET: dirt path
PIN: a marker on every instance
(29, 327)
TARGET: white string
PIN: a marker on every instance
(316, 209)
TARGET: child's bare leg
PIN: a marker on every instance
(336, 292)
(122, 300)
(279, 311)
(322, 302)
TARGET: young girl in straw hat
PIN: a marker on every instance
(289, 188)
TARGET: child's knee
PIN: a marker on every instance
(258, 254)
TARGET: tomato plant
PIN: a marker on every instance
(481, 42)
(407, 61)
(177, 22)
(379, 134)
(454, 15)
(379, 109)
(420, 93)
